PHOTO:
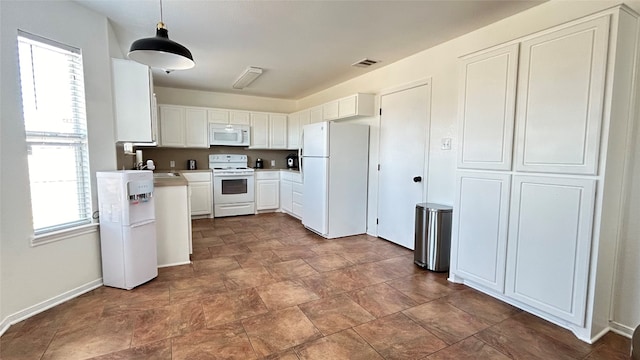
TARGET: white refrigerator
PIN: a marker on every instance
(335, 158)
(127, 228)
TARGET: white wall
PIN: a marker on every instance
(440, 64)
(32, 275)
(174, 96)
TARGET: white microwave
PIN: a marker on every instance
(229, 135)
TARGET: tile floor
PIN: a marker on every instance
(264, 287)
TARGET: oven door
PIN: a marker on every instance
(233, 189)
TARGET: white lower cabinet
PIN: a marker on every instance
(480, 227)
(200, 193)
(286, 195)
(549, 244)
(173, 225)
(267, 190)
(291, 193)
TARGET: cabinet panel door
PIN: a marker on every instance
(293, 131)
(278, 131)
(286, 196)
(315, 115)
(560, 99)
(267, 194)
(218, 116)
(330, 110)
(132, 97)
(550, 243)
(259, 130)
(171, 126)
(239, 117)
(487, 109)
(201, 198)
(479, 231)
(196, 128)
(347, 106)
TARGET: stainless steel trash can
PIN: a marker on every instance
(433, 236)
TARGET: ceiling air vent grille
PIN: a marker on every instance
(365, 63)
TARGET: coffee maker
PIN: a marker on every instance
(292, 161)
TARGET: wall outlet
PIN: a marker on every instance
(446, 144)
(273, 163)
(172, 164)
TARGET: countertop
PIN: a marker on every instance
(170, 181)
(288, 170)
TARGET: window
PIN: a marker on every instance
(56, 133)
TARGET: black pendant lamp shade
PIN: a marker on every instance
(161, 52)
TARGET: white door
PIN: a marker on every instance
(404, 124)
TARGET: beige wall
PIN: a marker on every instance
(228, 101)
(31, 275)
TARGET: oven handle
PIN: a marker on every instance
(243, 176)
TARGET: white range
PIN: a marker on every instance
(233, 185)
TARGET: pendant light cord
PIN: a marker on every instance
(161, 18)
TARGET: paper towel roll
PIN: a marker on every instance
(138, 156)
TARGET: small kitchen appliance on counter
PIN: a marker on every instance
(191, 165)
(259, 163)
(292, 161)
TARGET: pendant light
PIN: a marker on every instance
(160, 52)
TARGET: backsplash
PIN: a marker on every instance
(163, 156)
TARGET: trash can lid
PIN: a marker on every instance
(435, 207)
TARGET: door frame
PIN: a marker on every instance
(388, 91)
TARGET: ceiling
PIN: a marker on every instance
(303, 46)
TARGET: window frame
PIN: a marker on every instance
(75, 141)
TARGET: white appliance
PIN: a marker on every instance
(233, 185)
(229, 135)
(127, 228)
(335, 159)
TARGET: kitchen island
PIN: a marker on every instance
(173, 221)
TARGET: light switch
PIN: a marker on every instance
(446, 144)
(273, 163)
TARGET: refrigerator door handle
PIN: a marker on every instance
(300, 149)
(143, 223)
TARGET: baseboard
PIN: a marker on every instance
(620, 329)
(47, 304)
(174, 264)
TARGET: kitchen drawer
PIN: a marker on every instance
(298, 188)
(297, 210)
(296, 177)
(267, 175)
(297, 197)
(197, 176)
(286, 175)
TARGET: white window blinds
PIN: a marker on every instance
(56, 133)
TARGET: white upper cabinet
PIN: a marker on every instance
(560, 102)
(480, 227)
(277, 131)
(348, 107)
(172, 126)
(196, 128)
(315, 114)
(295, 124)
(487, 109)
(182, 126)
(239, 117)
(218, 116)
(134, 104)
(260, 130)
(268, 130)
(549, 244)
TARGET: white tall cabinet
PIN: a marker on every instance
(543, 133)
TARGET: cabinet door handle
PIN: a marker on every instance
(417, 179)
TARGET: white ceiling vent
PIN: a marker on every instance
(364, 63)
